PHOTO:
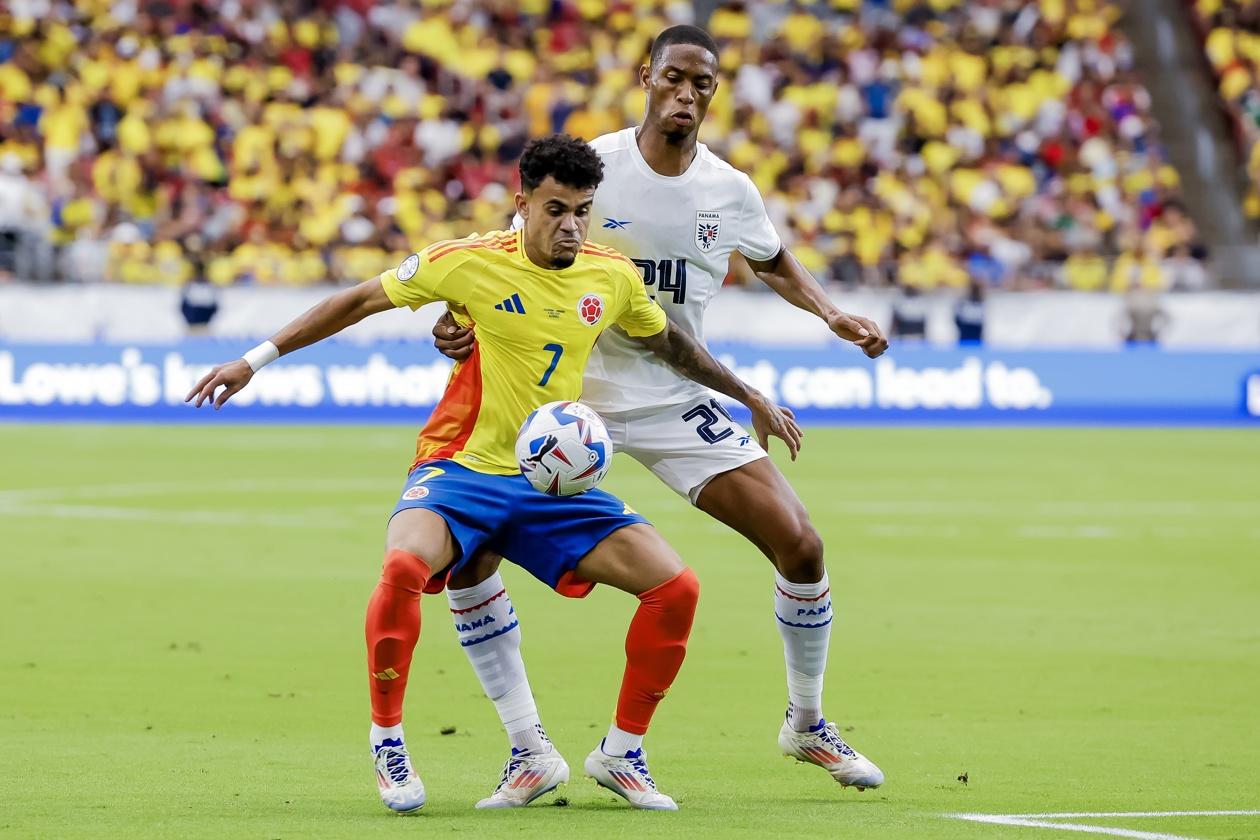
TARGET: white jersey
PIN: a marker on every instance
(680, 232)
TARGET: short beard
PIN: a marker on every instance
(563, 262)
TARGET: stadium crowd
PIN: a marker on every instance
(927, 144)
(1230, 32)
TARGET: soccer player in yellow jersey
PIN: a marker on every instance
(539, 298)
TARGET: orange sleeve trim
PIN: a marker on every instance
(608, 253)
(437, 255)
(500, 243)
(612, 252)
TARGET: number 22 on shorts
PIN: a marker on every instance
(709, 417)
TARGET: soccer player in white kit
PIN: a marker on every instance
(679, 212)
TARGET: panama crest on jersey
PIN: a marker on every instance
(591, 309)
(708, 222)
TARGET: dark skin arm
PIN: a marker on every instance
(689, 357)
(784, 274)
(326, 318)
(681, 352)
(790, 281)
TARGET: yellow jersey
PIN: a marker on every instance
(535, 331)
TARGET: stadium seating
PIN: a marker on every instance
(298, 142)
(1230, 33)
(936, 143)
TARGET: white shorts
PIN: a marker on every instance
(684, 445)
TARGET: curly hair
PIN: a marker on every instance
(567, 159)
(682, 34)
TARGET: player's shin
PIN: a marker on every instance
(491, 637)
(804, 611)
(655, 647)
(392, 629)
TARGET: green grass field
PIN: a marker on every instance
(1069, 617)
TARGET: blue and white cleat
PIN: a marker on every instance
(823, 746)
(627, 777)
(527, 776)
(401, 788)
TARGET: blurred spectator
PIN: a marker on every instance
(198, 303)
(969, 315)
(1136, 271)
(1182, 272)
(1085, 271)
(23, 247)
(909, 315)
(845, 268)
(1144, 315)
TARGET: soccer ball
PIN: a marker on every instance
(564, 449)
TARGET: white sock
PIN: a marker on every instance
(619, 742)
(531, 740)
(804, 612)
(380, 734)
(491, 637)
(518, 712)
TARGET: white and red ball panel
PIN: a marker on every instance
(563, 448)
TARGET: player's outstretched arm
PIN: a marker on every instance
(789, 279)
(690, 358)
(328, 317)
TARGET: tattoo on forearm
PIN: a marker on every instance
(687, 356)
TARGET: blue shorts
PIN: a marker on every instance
(544, 535)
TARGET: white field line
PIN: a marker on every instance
(1076, 815)
(153, 488)
(48, 502)
(893, 507)
(1045, 532)
(186, 517)
(1087, 532)
(1088, 829)
(913, 530)
(961, 507)
(1047, 821)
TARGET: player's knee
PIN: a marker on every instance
(690, 585)
(479, 568)
(800, 559)
(684, 591)
(405, 571)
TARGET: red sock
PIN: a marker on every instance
(655, 647)
(393, 628)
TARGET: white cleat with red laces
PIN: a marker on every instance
(823, 746)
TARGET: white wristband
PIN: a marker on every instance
(263, 354)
